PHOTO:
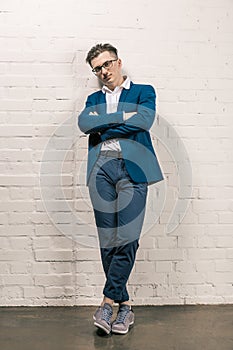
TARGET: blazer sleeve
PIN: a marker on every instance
(89, 122)
(142, 120)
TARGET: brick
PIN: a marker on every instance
(41, 242)
(56, 155)
(21, 193)
(61, 267)
(204, 205)
(170, 242)
(206, 253)
(208, 218)
(184, 266)
(54, 242)
(214, 230)
(219, 277)
(206, 241)
(229, 253)
(147, 279)
(224, 289)
(11, 292)
(145, 266)
(86, 291)
(205, 290)
(85, 267)
(17, 279)
(17, 206)
(54, 205)
(16, 230)
(4, 192)
(163, 266)
(15, 255)
(17, 180)
(141, 255)
(186, 278)
(145, 291)
(19, 218)
(82, 205)
(33, 292)
(48, 255)
(187, 241)
(53, 280)
(224, 241)
(54, 180)
(163, 291)
(88, 254)
(46, 230)
(4, 242)
(8, 81)
(15, 105)
(94, 280)
(19, 243)
(54, 292)
(17, 168)
(165, 254)
(4, 268)
(3, 218)
(39, 218)
(203, 266)
(225, 218)
(224, 266)
(40, 268)
(184, 290)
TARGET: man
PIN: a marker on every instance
(121, 164)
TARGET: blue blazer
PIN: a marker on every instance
(133, 134)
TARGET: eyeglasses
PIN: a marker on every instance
(106, 65)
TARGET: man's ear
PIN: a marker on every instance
(119, 62)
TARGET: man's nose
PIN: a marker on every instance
(103, 70)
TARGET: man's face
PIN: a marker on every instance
(111, 77)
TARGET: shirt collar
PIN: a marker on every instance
(124, 85)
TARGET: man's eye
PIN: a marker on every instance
(106, 64)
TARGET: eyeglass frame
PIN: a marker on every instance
(103, 66)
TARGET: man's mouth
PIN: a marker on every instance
(107, 77)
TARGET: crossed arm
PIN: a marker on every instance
(123, 123)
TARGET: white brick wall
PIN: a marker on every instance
(182, 47)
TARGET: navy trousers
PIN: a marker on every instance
(119, 209)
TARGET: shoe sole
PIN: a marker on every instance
(100, 326)
(123, 332)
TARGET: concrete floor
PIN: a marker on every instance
(156, 328)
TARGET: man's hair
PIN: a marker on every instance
(98, 49)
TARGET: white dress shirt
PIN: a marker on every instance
(112, 100)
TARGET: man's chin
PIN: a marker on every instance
(109, 84)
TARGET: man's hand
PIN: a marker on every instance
(94, 113)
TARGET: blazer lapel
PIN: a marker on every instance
(123, 97)
(102, 107)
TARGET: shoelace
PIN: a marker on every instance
(122, 313)
(106, 315)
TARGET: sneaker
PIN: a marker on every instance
(124, 320)
(102, 317)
